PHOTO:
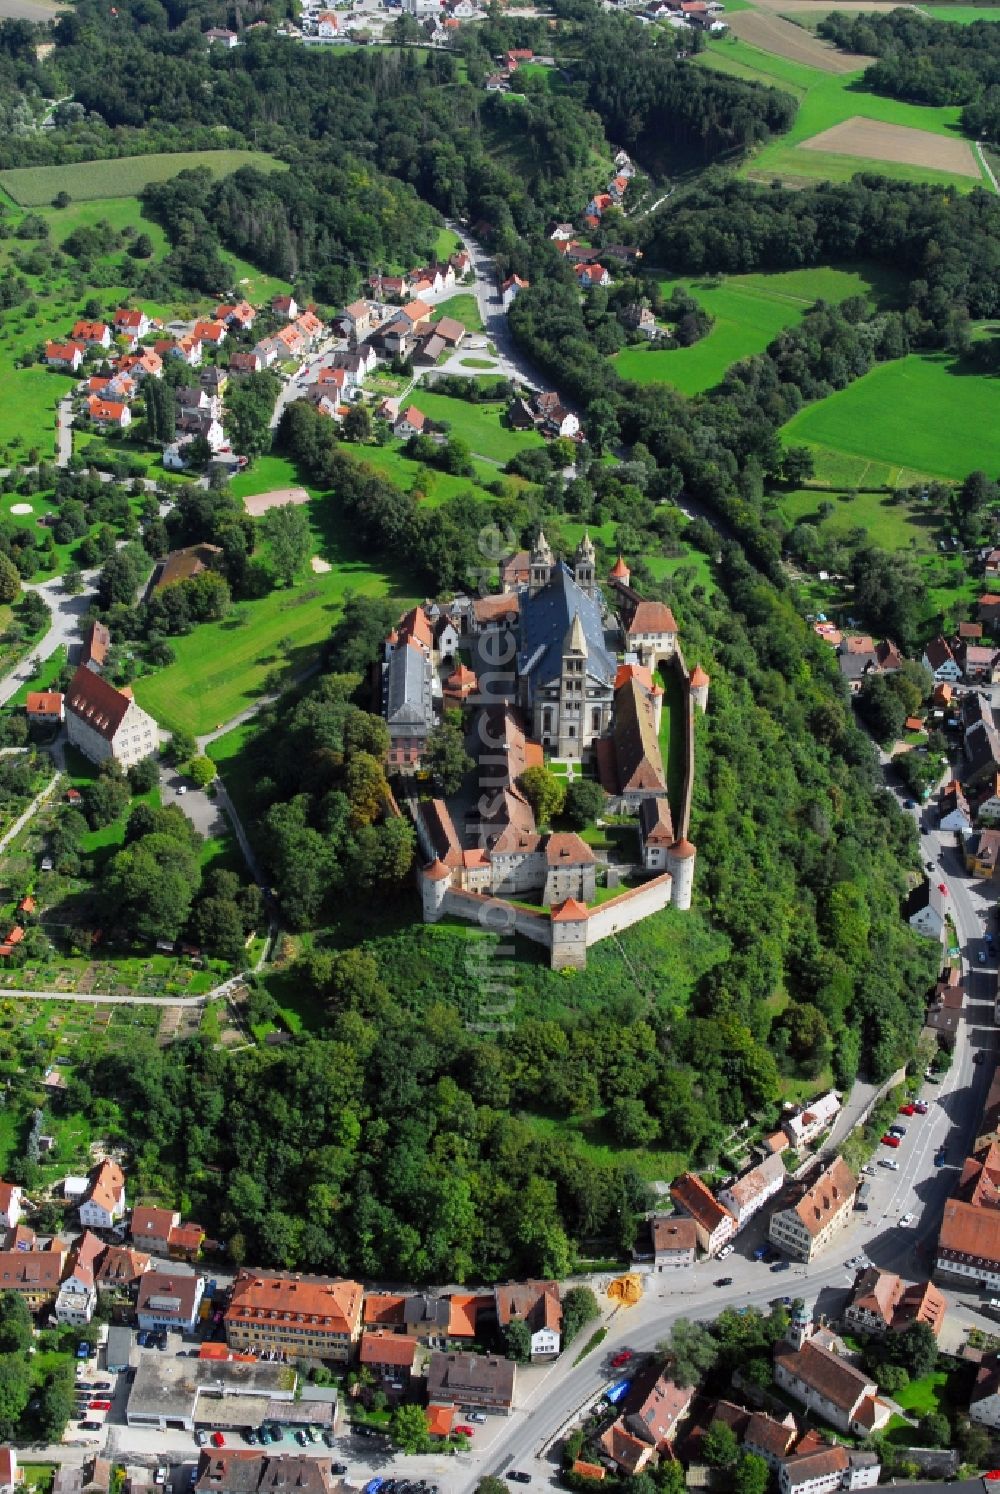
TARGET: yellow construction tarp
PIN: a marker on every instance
(625, 1290)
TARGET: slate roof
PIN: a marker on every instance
(408, 687)
(546, 619)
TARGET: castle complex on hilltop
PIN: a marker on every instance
(582, 689)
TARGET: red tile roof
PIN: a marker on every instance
(96, 702)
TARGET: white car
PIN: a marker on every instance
(907, 1220)
(726, 1250)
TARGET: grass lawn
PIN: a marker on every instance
(749, 311)
(963, 15)
(672, 740)
(436, 487)
(222, 667)
(592, 1138)
(464, 308)
(36, 186)
(826, 99)
(890, 525)
(923, 1397)
(445, 244)
(42, 680)
(479, 425)
(924, 411)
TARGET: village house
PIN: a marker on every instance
(984, 1404)
(714, 1223)
(831, 1388)
(96, 642)
(411, 422)
(104, 722)
(511, 289)
(77, 1299)
(11, 1195)
(941, 662)
(239, 315)
(926, 909)
(823, 1469)
(537, 1304)
(92, 334)
(770, 1439)
(285, 306)
(674, 1240)
(44, 707)
(103, 1204)
(748, 1194)
(483, 1381)
(654, 1407)
(33, 1275)
(108, 412)
(314, 1316)
(980, 666)
(656, 832)
(221, 36)
(118, 1273)
(130, 323)
(389, 1356)
(64, 355)
(169, 1300)
(953, 808)
(804, 1229)
(805, 1126)
(981, 852)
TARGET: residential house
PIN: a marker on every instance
(481, 1380)
(92, 334)
(34, 1275)
(769, 1438)
(169, 1300)
(656, 832)
(511, 289)
(806, 1125)
(77, 1299)
(981, 852)
(109, 412)
(285, 306)
(945, 1009)
(987, 802)
(748, 1195)
(984, 1404)
(44, 707)
(982, 750)
(877, 1295)
(104, 1202)
(969, 1244)
(639, 318)
(327, 24)
(941, 662)
(553, 416)
(142, 364)
(10, 1474)
(655, 1406)
(804, 1229)
(118, 1273)
(243, 363)
(450, 331)
(857, 659)
(920, 1303)
(953, 808)
(822, 1469)
(184, 565)
(674, 1241)
(981, 666)
(830, 1388)
(714, 1223)
(629, 1454)
(589, 275)
(150, 1227)
(411, 422)
(389, 1356)
(238, 315)
(440, 1420)
(11, 1195)
(537, 1304)
(989, 610)
(415, 312)
(64, 355)
(221, 36)
(315, 1316)
(131, 324)
(926, 909)
(96, 642)
(103, 723)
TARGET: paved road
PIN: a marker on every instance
(63, 629)
(513, 362)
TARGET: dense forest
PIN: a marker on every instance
(928, 61)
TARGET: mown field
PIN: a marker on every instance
(925, 412)
(749, 311)
(220, 668)
(480, 425)
(36, 186)
(826, 100)
(890, 524)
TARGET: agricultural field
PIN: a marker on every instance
(749, 311)
(827, 100)
(785, 39)
(962, 15)
(481, 426)
(924, 411)
(888, 142)
(36, 186)
(220, 668)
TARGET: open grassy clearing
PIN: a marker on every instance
(924, 411)
(36, 186)
(891, 525)
(220, 668)
(479, 425)
(463, 308)
(750, 310)
(436, 487)
(826, 100)
(962, 15)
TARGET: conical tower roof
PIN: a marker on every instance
(576, 639)
(620, 571)
(585, 549)
(542, 550)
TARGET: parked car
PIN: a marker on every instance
(907, 1220)
(251, 1437)
(940, 1157)
(781, 1266)
(725, 1251)
(329, 1439)
(103, 1385)
(921, 1107)
(99, 1406)
(83, 1351)
(889, 1162)
(477, 1416)
(890, 1140)
(621, 1358)
(201, 1438)
(464, 1430)
(899, 1131)
(519, 1478)
(869, 1168)
(301, 1437)
(909, 1109)
(724, 1281)
(338, 1468)
(161, 1474)
(978, 1056)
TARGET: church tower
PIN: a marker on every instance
(572, 691)
(542, 562)
(584, 564)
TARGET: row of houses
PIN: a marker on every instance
(968, 1247)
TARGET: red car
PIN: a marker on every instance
(465, 1431)
(218, 1440)
(907, 1109)
(888, 1140)
(98, 1405)
(621, 1359)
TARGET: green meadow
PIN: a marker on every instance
(827, 99)
(925, 411)
(749, 311)
(36, 186)
(481, 426)
(890, 524)
(220, 668)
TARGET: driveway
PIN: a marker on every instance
(205, 813)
